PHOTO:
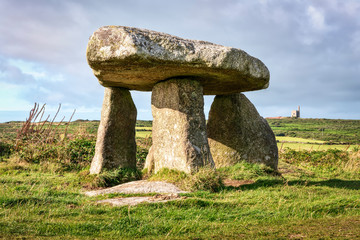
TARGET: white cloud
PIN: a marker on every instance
(351, 8)
(317, 19)
(311, 48)
(313, 27)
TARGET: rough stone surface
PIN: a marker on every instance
(137, 59)
(132, 201)
(149, 162)
(115, 144)
(179, 127)
(138, 187)
(237, 132)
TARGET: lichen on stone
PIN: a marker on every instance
(144, 57)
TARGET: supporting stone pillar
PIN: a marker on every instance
(237, 132)
(115, 144)
(179, 127)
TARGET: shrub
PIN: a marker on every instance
(80, 151)
(5, 150)
(37, 153)
(70, 155)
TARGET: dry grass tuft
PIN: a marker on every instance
(353, 165)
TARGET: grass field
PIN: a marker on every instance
(46, 205)
(298, 140)
(318, 147)
(314, 194)
(297, 143)
(143, 132)
(331, 130)
(301, 204)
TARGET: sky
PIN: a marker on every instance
(311, 48)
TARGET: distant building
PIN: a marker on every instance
(295, 113)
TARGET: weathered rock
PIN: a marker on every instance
(179, 128)
(237, 132)
(115, 144)
(149, 162)
(138, 187)
(137, 59)
(179, 72)
(133, 201)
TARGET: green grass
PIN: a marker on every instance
(331, 130)
(143, 128)
(309, 146)
(316, 196)
(298, 140)
(297, 143)
(143, 134)
(36, 204)
(205, 179)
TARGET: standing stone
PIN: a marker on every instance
(237, 132)
(179, 127)
(178, 71)
(115, 144)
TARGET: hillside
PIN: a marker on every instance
(329, 130)
(313, 194)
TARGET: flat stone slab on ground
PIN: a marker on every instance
(139, 187)
(132, 201)
(137, 59)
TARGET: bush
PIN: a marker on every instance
(5, 150)
(80, 151)
(38, 153)
(70, 155)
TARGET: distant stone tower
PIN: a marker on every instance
(295, 113)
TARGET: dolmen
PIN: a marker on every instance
(178, 72)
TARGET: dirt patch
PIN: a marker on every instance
(132, 201)
(237, 183)
(139, 187)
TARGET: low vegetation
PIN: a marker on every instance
(329, 130)
(314, 194)
(206, 179)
